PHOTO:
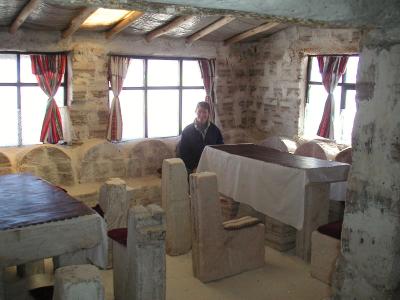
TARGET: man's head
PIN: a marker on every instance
(202, 112)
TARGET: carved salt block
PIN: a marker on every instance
(280, 143)
(78, 282)
(325, 250)
(146, 253)
(213, 247)
(175, 202)
(326, 150)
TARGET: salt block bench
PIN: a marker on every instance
(325, 249)
(221, 249)
(144, 190)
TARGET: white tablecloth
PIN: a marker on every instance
(275, 190)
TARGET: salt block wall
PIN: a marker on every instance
(370, 265)
(90, 105)
(89, 59)
(262, 85)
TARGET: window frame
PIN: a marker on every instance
(18, 84)
(145, 88)
(345, 86)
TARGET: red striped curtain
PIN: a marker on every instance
(207, 68)
(49, 70)
(117, 69)
(331, 69)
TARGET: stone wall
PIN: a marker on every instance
(370, 264)
(89, 59)
(262, 85)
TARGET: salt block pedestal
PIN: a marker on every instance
(119, 238)
(146, 253)
(113, 200)
(175, 202)
(324, 253)
(139, 255)
(81, 282)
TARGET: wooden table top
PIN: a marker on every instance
(277, 157)
(28, 200)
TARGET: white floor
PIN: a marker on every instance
(284, 277)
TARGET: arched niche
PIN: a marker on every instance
(48, 162)
(99, 161)
(5, 164)
(326, 150)
(146, 157)
(280, 143)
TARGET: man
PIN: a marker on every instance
(197, 135)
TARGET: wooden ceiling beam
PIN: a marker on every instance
(208, 29)
(166, 28)
(24, 13)
(124, 23)
(249, 33)
(77, 21)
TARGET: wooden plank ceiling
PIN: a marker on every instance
(39, 15)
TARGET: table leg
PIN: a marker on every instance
(316, 211)
(2, 285)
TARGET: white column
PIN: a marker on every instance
(146, 253)
(175, 202)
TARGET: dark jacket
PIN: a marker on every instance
(192, 144)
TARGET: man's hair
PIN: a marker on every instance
(204, 105)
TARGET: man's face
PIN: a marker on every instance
(202, 115)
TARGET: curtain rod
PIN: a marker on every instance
(343, 54)
(158, 57)
(34, 52)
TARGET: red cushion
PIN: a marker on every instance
(332, 229)
(120, 235)
(98, 209)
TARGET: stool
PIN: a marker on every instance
(325, 249)
(78, 282)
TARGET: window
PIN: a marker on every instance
(159, 96)
(345, 104)
(23, 103)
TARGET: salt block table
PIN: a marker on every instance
(292, 189)
(39, 220)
